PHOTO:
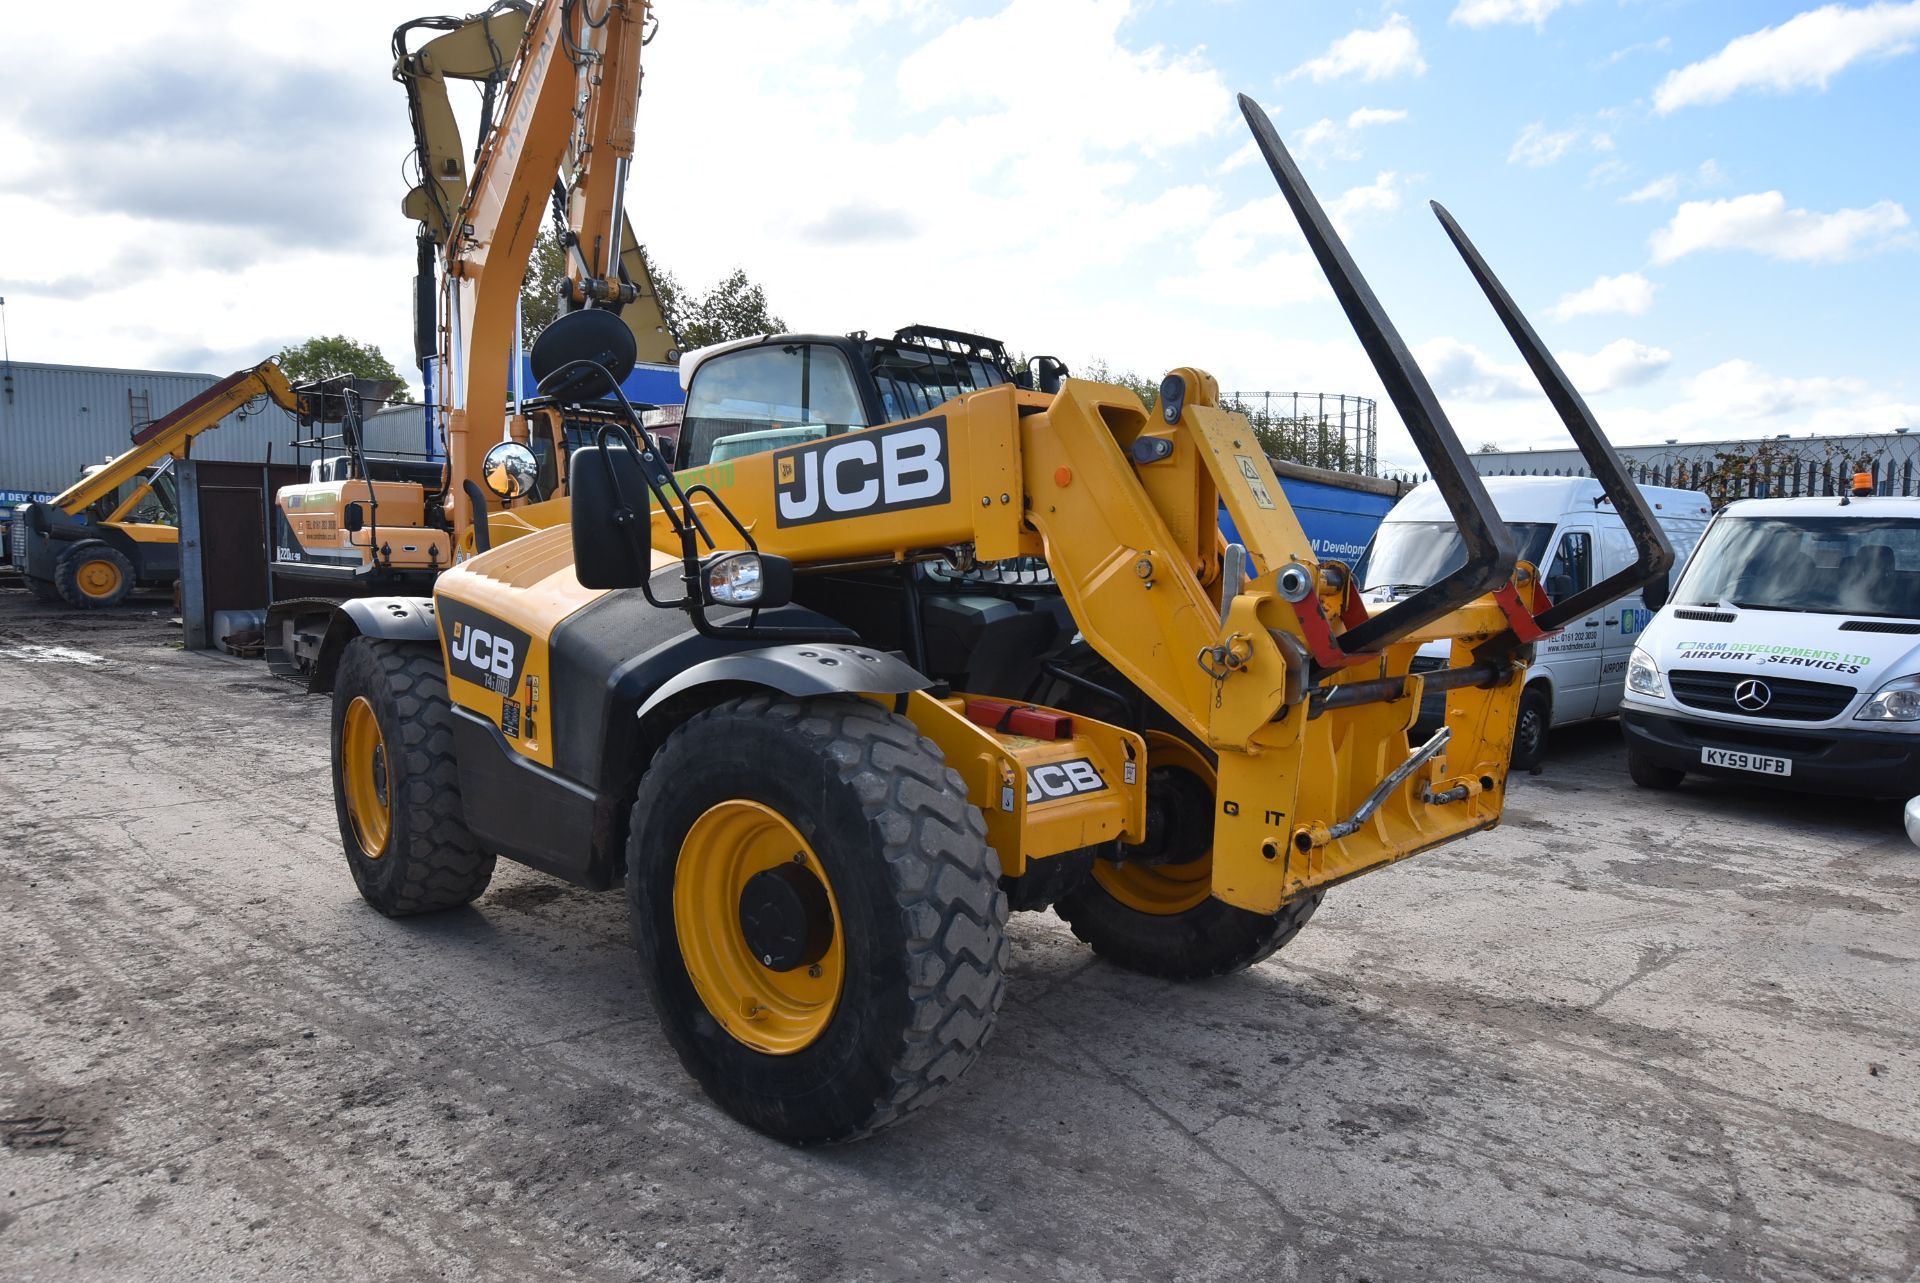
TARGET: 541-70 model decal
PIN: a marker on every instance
(860, 474)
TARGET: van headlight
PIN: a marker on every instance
(1643, 675)
(1897, 701)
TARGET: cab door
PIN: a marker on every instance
(1574, 654)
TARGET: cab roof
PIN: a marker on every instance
(1827, 506)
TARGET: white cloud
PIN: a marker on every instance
(1381, 196)
(1389, 50)
(1537, 145)
(1664, 188)
(1762, 224)
(1630, 294)
(1462, 372)
(1332, 138)
(1361, 117)
(1738, 397)
(1805, 51)
(1622, 363)
(1487, 13)
(1646, 46)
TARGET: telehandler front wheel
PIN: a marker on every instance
(1158, 918)
(818, 915)
(93, 574)
(396, 785)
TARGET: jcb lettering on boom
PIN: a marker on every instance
(864, 473)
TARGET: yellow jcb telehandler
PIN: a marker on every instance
(831, 710)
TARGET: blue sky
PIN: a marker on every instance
(1705, 206)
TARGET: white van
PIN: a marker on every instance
(1566, 526)
(1789, 654)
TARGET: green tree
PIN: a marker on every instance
(1488, 447)
(324, 356)
(540, 292)
(736, 308)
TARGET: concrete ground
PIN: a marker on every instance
(1626, 1036)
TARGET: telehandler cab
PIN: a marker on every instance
(831, 709)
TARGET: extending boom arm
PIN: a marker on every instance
(173, 434)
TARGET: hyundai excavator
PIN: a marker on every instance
(871, 670)
(117, 527)
(559, 94)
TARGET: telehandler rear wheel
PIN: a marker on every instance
(396, 787)
(818, 915)
(93, 574)
(1158, 919)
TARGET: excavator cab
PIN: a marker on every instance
(910, 645)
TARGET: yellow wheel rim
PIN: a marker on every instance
(1165, 889)
(99, 578)
(778, 1012)
(367, 778)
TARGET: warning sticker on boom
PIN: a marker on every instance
(1251, 472)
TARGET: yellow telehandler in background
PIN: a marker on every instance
(831, 709)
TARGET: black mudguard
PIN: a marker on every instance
(388, 618)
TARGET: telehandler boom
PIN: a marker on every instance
(874, 668)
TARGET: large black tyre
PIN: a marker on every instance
(918, 915)
(93, 574)
(1159, 919)
(1213, 938)
(425, 859)
(43, 589)
(1530, 728)
(1651, 775)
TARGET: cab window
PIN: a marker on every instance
(1572, 567)
(763, 398)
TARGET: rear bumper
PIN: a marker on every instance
(1854, 763)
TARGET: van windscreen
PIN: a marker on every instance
(1825, 565)
(1415, 554)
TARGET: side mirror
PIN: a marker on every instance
(1913, 820)
(1560, 587)
(612, 525)
(1049, 373)
(1658, 590)
(354, 518)
(510, 470)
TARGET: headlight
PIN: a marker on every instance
(734, 580)
(1643, 675)
(1897, 701)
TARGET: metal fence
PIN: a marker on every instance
(1334, 430)
(1764, 469)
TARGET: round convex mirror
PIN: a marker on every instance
(510, 470)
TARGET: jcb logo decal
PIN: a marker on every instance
(482, 649)
(863, 473)
(1052, 781)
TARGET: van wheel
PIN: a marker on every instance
(1652, 775)
(1530, 729)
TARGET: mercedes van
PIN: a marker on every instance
(1567, 528)
(1789, 654)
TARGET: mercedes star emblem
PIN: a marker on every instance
(1752, 695)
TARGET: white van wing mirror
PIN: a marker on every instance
(1913, 820)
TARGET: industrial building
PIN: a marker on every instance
(1739, 467)
(56, 419)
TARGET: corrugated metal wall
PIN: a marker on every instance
(55, 419)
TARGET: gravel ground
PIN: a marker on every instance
(1625, 1036)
